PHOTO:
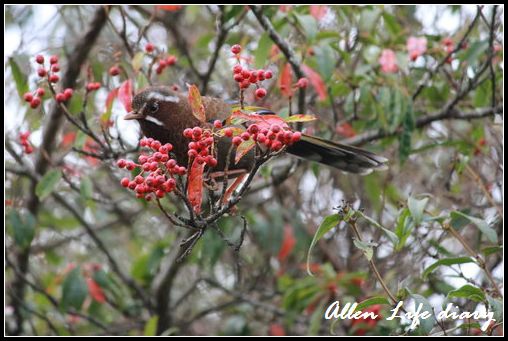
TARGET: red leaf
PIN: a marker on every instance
(318, 11)
(68, 139)
(95, 291)
(288, 243)
(264, 121)
(243, 149)
(195, 186)
(316, 81)
(110, 99)
(196, 103)
(285, 80)
(92, 147)
(345, 129)
(232, 188)
(125, 95)
(169, 8)
(276, 330)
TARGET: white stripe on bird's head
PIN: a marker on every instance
(164, 98)
(154, 120)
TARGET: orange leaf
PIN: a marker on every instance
(243, 149)
(276, 330)
(345, 129)
(95, 291)
(316, 81)
(196, 103)
(285, 80)
(125, 95)
(169, 8)
(195, 186)
(232, 188)
(318, 11)
(288, 243)
(300, 118)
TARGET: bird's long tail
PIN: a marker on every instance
(341, 156)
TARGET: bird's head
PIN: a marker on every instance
(155, 104)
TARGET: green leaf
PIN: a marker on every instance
(262, 51)
(328, 223)
(468, 292)
(489, 232)
(416, 208)
(448, 262)
(137, 61)
(496, 306)
(391, 236)
(476, 50)
(308, 24)
(366, 248)
(426, 325)
(151, 326)
(391, 23)
(408, 125)
(86, 187)
(372, 301)
(22, 227)
(47, 184)
(325, 61)
(74, 290)
(491, 250)
(19, 77)
(141, 81)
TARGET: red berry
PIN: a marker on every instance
(238, 77)
(245, 84)
(39, 59)
(236, 49)
(171, 163)
(268, 74)
(24, 136)
(275, 128)
(40, 92)
(142, 159)
(302, 82)
(171, 60)
(121, 163)
(246, 74)
(217, 124)
(114, 71)
(155, 145)
(42, 72)
(68, 93)
(125, 182)
(296, 136)
(237, 140)
(187, 132)
(245, 136)
(54, 78)
(261, 75)
(192, 153)
(60, 98)
(197, 131)
(130, 165)
(159, 70)
(276, 145)
(260, 93)
(29, 149)
(237, 68)
(211, 161)
(55, 68)
(261, 138)
(36, 101)
(149, 47)
(53, 59)
(28, 97)
(253, 129)
(228, 132)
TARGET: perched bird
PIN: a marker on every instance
(163, 114)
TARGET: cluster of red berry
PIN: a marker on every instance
(246, 77)
(93, 86)
(23, 139)
(64, 96)
(36, 99)
(159, 168)
(201, 144)
(163, 62)
(273, 137)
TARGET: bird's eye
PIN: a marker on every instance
(154, 107)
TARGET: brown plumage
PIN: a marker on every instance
(163, 114)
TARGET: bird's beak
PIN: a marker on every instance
(133, 115)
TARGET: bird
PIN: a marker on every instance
(164, 113)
